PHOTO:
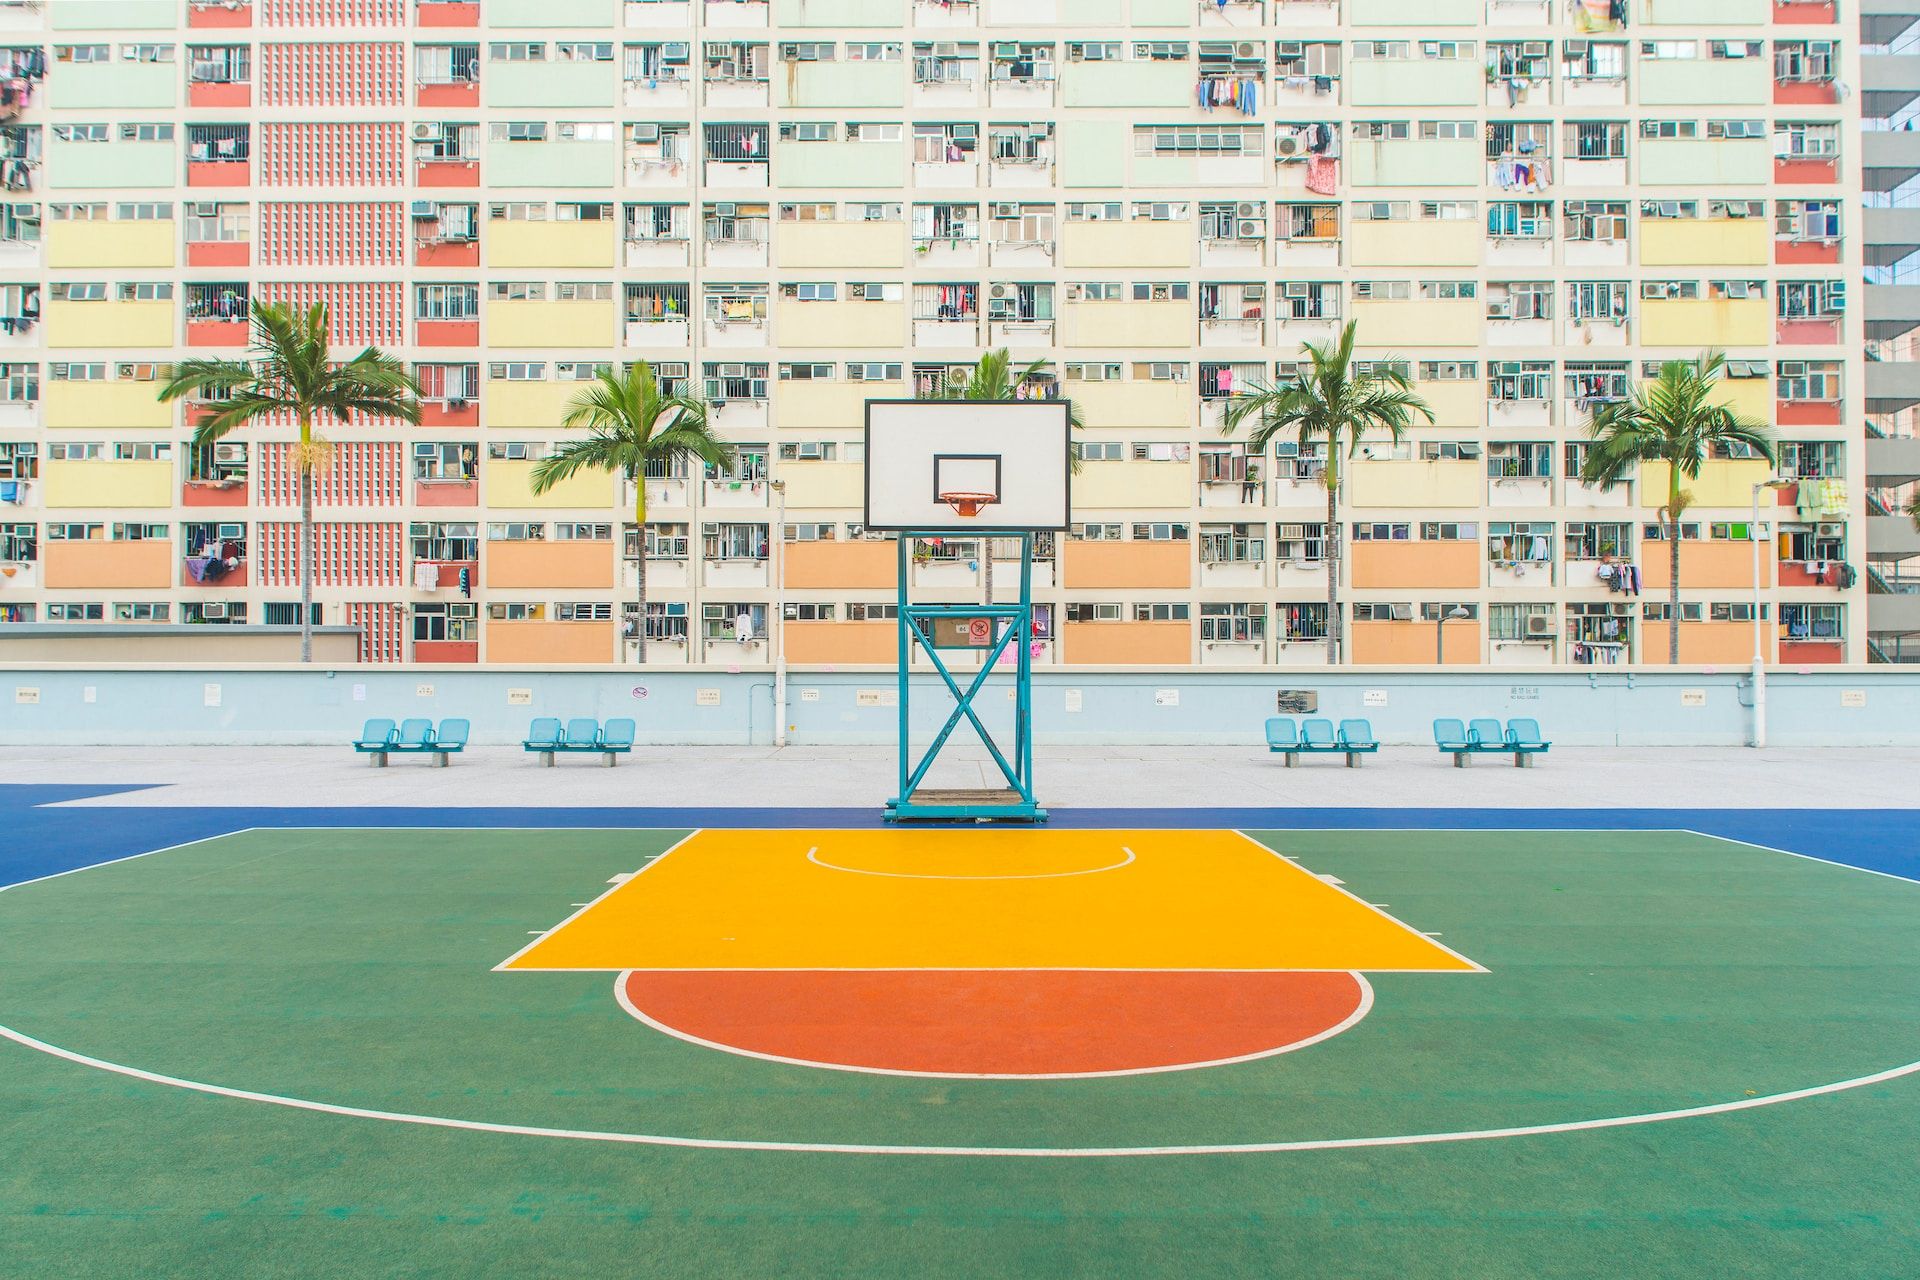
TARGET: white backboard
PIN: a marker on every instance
(1017, 450)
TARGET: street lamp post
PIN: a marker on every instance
(1759, 631)
(1440, 622)
(779, 623)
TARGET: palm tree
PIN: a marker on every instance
(1328, 400)
(993, 377)
(1672, 419)
(631, 421)
(289, 371)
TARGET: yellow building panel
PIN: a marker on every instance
(509, 484)
(1696, 242)
(97, 243)
(1419, 322)
(1140, 403)
(106, 404)
(840, 324)
(1409, 483)
(840, 244)
(1706, 322)
(109, 484)
(518, 243)
(1455, 404)
(535, 644)
(549, 324)
(1126, 485)
(110, 324)
(1750, 396)
(1129, 324)
(823, 484)
(1726, 483)
(527, 404)
(829, 405)
(1127, 244)
(1454, 242)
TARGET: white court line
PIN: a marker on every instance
(655, 861)
(813, 857)
(145, 853)
(1344, 892)
(1359, 1012)
(881, 1149)
(1707, 835)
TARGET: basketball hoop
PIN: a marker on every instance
(967, 504)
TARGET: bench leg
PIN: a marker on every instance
(1353, 759)
(1523, 760)
(1291, 757)
(440, 759)
(609, 760)
(546, 758)
(1459, 759)
(378, 759)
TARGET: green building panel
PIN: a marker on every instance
(550, 84)
(97, 165)
(550, 164)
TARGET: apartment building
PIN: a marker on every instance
(791, 206)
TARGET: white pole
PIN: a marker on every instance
(1759, 632)
(778, 624)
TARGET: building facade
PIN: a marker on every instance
(791, 206)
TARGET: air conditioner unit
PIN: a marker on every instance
(213, 609)
(1297, 290)
(1539, 624)
(204, 210)
(1005, 209)
(1286, 144)
(1533, 49)
(946, 49)
(425, 210)
(1291, 49)
(674, 51)
(646, 133)
(1093, 53)
(1246, 49)
(1576, 48)
(230, 453)
(1250, 209)
(725, 209)
(1253, 292)
(1250, 230)
(1829, 530)
(1000, 291)
(424, 132)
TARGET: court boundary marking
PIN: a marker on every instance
(916, 875)
(750, 1144)
(1351, 1020)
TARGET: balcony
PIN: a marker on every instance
(1888, 159)
(1891, 234)
(1889, 612)
(1891, 309)
(1888, 83)
(447, 13)
(1881, 21)
(219, 93)
(1892, 461)
(1892, 385)
(229, 14)
(1888, 537)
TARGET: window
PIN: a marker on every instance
(1233, 544)
(455, 541)
(1233, 623)
(1449, 531)
(1520, 542)
(1162, 611)
(1197, 140)
(1811, 299)
(732, 541)
(1160, 532)
(517, 612)
(1520, 622)
(1599, 540)
(1099, 450)
(447, 622)
(1813, 622)
(1808, 380)
(446, 302)
(65, 611)
(1084, 611)
(1596, 221)
(18, 544)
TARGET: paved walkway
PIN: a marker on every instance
(1150, 777)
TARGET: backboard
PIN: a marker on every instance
(1011, 457)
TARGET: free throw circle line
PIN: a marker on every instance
(813, 856)
(1360, 1011)
(883, 1149)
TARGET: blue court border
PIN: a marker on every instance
(39, 839)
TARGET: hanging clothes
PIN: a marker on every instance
(1322, 175)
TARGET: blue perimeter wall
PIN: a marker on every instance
(1873, 706)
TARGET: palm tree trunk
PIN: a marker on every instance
(306, 540)
(1332, 537)
(986, 545)
(1673, 565)
(640, 574)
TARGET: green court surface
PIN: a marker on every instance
(1629, 975)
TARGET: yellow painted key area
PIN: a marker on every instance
(924, 899)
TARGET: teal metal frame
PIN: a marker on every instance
(915, 631)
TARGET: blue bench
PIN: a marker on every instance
(583, 735)
(1520, 739)
(380, 739)
(1353, 739)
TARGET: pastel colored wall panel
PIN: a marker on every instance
(842, 642)
(94, 405)
(143, 564)
(1126, 565)
(109, 484)
(1452, 243)
(109, 324)
(1126, 485)
(1412, 483)
(1126, 643)
(834, 566)
(548, 643)
(1706, 322)
(840, 164)
(840, 244)
(548, 564)
(507, 484)
(1414, 642)
(1129, 324)
(1140, 243)
(98, 244)
(549, 324)
(840, 324)
(1671, 242)
(1419, 565)
(514, 243)
(825, 485)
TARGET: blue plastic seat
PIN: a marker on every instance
(1282, 734)
(415, 735)
(375, 737)
(1451, 735)
(1357, 735)
(1486, 735)
(583, 734)
(1318, 735)
(1525, 740)
(450, 739)
(617, 735)
(543, 734)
